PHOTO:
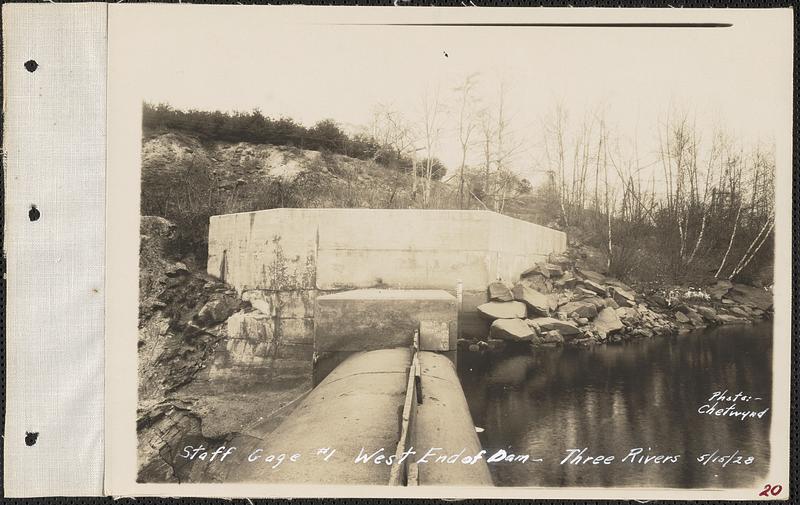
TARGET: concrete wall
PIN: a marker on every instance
(282, 259)
(332, 249)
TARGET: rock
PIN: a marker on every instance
(538, 303)
(503, 310)
(560, 259)
(567, 281)
(708, 313)
(728, 319)
(658, 300)
(584, 292)
(642, 333)
(627, 314)
(719, 289)
(728, 301)
(538, 282)
(552, 301)
(552, 337)
(681, 317)
(695, 318)
(514, 330)
(218, 309)
(609, 302)
(539, 269)
(545, 324)
(757, 297)
(499, 292)
(176, 269)
(739, 311)
(580, 309)
(598, 303)
(591, 275)
(610, 281)
(623, 297)
(594, 287)
(156, 232)
(607, 322)
(582, 321)
(554, 270)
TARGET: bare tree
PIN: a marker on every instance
(466, 127)
(432, 111)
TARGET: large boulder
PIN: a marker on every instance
(719, 289)
(566, 281)
(499, 292)
(757, 297)
(628, 314)
(514, 330)
(594, 287)
(560, 259)
(607, 322)
(599, 303)
(537, 269)
(740, 311)
(695, 318)
(708, 313)
(623, 297)
(503, 310)
(538, 282)
(538, 303)
(554, 270)
(681, 317)
(579, 308)
(545, 324)
(591, 275)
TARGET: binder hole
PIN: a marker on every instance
(30, 438)
(31, 65)
(34, 213)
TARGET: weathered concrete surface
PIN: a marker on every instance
(443, 422)
(259, 346)
(329, 249)
(357, 406)
(282, 259)
(369, 319)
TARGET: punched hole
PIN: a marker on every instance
(31, 65)
(34, 213)
(30, 438)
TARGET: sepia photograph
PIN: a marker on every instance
(431, 254)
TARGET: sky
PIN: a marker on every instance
(728, 77)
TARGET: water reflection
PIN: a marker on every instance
(612, 399)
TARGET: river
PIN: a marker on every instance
(614, 398)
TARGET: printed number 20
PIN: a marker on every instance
(770, 490)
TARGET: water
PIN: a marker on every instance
(613, 398)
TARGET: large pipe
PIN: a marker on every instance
(357, 410)
(443, 426)
(357, 407)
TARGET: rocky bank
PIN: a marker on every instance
(189, 391)
(558, 302)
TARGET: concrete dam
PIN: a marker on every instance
(374, 301)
